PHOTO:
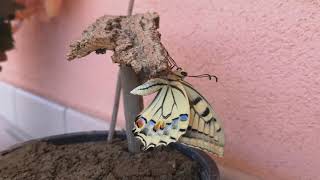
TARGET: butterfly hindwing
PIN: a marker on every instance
(205, 130)
(167, 116)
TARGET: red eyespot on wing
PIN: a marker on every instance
(140, 122)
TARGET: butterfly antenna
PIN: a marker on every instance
(209, 76)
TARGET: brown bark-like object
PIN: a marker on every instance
(134, 40)
(136, 43)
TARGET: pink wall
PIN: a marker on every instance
(265, 53)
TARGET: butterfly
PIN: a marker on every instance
(178, 113)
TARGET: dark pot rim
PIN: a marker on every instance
(208, 167)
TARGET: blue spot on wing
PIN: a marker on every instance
(167, 129)
(175, 122)
(183, 117)
(151, 122)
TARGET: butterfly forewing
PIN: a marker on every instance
(149, 87)
(167, 116)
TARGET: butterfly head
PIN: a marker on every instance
(178, 74)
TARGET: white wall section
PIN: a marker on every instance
(7, 102)
(76, 121)
(37, 117)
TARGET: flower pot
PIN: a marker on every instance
(208, 168)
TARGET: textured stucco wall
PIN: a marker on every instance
(265, 53)
(267, 56)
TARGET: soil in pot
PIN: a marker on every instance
(95, 160)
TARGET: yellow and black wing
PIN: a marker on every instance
(166, 118)
(204, 130)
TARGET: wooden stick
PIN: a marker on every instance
(133, 105)
(130, 7)
(118, 90)
(115, 109)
